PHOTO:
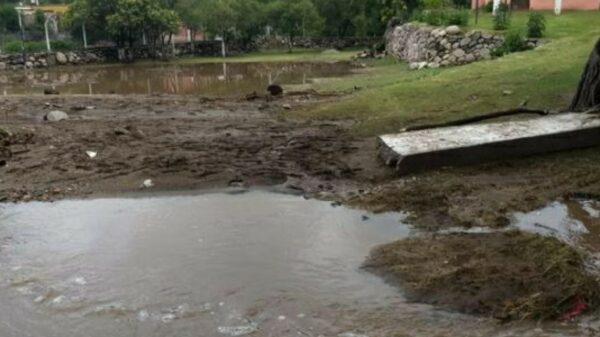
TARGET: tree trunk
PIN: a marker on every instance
(588, 92)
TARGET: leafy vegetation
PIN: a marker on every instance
(37, 46)
(443, 17)
(502, 18)
(536, 25)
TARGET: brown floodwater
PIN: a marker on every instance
(213, 79)
(214, 264)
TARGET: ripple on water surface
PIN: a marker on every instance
(215, 264)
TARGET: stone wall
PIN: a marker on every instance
(434, 47)
(200, 48)
(43, 60)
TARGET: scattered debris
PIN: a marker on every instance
(148, 183)
(236, 331)
(91, 154)
(483, 274)
(351, 334)
(578, 308)
(51, 91)
(287, 106)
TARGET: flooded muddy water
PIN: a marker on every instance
(215, 79)
(215, 264)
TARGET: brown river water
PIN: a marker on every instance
(224, 263)
(213, 79)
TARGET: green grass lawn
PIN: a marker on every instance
(297, 55)
(393, 97)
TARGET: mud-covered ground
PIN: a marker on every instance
(190, 142)
(178, 143)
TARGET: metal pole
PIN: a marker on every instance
(84, 33)
(48, 46)
(21, 26)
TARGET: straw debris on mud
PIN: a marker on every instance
(508, 275)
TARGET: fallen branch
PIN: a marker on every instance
(479, 118)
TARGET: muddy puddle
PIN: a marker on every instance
(216, 79)
(216, 264)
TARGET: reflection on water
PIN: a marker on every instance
(199, 79)
(217, 264)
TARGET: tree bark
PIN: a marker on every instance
(588, 92)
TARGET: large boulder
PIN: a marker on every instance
(61, 58)
(56, 116)
(453, 30)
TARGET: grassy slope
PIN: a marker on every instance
(393, 96)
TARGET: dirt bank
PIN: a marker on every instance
(179, 143)
(509, 275)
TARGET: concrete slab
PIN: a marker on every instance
(463, 145)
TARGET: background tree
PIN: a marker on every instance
(9, 20)
(250, 19)
(191, 14)
(295, 18)
(398, 9)
(133, 18)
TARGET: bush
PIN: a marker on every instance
(458, 17)
(536, 25)
(513, 42)
(37, 46)
(443, 17)
(502, 17)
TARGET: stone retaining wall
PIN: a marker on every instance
(433, 47)
(200, 48)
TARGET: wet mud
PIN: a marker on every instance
(112, 145)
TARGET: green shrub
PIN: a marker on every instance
(459, 17)
(442, 17)
(536, 25)
(37, 46)
(435, 4)
(514, 42)
(502, 17)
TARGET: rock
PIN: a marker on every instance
(287, 106)
(413, 66)
(2, 66)
(465, 42)
(507, 92)
(121, 131)
(28, 64)
(458, 53)
(470, 58)
(56, 116)
(61, 58)
(453, 30)
(275, 89)
(433, 65)
(51, 91)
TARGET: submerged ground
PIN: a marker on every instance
(321, 143)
